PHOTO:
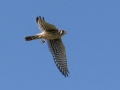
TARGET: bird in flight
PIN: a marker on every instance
(53, 36)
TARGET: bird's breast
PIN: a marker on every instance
(51, 35)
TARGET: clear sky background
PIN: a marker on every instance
(92, 44)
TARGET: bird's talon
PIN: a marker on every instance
(43, 41)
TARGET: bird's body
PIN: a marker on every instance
(45, 35)
(56, 47)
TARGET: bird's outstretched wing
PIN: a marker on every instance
(57, 49)
(43, 25)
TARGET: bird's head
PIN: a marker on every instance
(62, 32)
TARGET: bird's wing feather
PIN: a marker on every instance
(57, 49)
(43, 25)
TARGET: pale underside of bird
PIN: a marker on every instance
(53, 36)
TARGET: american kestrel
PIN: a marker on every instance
(53, 36)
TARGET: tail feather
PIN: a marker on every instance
(29, 38)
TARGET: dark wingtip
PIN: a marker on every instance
(37, 18)
(66, 74)
(43, 18)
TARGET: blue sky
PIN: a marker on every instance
(92, 44)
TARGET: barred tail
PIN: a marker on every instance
(29, 38)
